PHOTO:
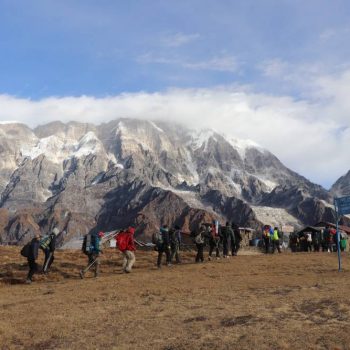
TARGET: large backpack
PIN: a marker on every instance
(157, 238)
(122, 241)
(45, 242)
(198, 239)
(25, 251)
(89, 244)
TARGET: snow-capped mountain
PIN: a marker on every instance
(82, 177)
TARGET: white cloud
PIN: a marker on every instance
(224, 63)
(311, 136)
(274, 68)
(179, 39)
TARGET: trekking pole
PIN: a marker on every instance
(47, 262)
(82, 272)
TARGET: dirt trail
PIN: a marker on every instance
(286, 301)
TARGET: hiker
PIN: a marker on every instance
(163, 246)
(199, 240)
(214, 240)
(226, 233)
(293, 242)
(316, 241)
(327, 240)
(343, 238)
(32, 256)
(175, 244)
(91, 247)
(125, 243)
(308, 238)
(276, 240)
(236, 239)
(266, 237)
(48, 245)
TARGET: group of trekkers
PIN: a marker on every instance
(167, 241)
(317, 240)
(271, 238)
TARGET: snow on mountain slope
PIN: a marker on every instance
(242, 145)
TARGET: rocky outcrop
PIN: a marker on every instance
(342, 186)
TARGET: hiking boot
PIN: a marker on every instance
(28, 281)
(209, 258)
(169, 264)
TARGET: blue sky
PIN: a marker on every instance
(100, 48)
(239, 64)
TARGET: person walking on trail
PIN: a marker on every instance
(199, 240)
(163, 246)
(48, 245)
(175, 244)
(308, 238)
(214, 240)
(226, 233)
(126, 244)
(91, 247)
(316, 241)
(266, 238)
(236, 239)
(32, 256)
(276, 240)
(329, 239)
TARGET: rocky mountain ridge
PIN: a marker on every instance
(84, 177)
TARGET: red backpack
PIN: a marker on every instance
(122, 241)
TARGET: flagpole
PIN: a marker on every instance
(337, 234)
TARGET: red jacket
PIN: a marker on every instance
(125, 240)
(130, 239)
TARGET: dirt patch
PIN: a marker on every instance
(237, 321)
(196, 319)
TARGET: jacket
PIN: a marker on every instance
(130, 244)
(34, 249)
(165, 236)
(275, 236)
(48, 243)
(175, 237)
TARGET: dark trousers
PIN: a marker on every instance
(163, 249)
(267, 244)
(199, 256)
(49, 258)
(276, 245)
(175, 253)
(214, 244)
(33, 268)
(225, 246)
(93, 258)
(309, 246)
(234, 247)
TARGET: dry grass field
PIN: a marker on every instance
(286, 301)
